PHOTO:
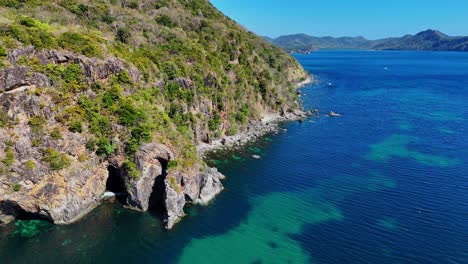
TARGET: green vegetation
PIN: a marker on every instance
(17, 187)
(172, 164)
(123, 35)
(56, 160)
(174, 185)
(76, 126)
(80, 43)
(30, 164)
(56, 133)
(9, 156)
(165, 20)
(36, 123)
(4, 120)
(104, 147)
(180, 66)
(3, 52)
(131, 169)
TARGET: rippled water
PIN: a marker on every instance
(385, 183)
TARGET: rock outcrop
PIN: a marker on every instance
(5, 219)
(151, 162)
(94, 69)
(171, 189)
(61, 197)
(32, 187)
(15, 77)
(28, 184)
(174, 202)
(210, 185)
(197, 186)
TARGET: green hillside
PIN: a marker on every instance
(178, 72)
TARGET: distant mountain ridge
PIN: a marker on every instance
(425, 40)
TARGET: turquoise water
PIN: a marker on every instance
(385, 183)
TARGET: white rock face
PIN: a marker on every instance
(210, 185)
(174, 201)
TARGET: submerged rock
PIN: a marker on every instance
(333, 114)
(6, 219)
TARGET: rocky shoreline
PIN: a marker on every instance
(257, 128)
(65, 196)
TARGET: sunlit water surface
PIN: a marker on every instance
(385, 183)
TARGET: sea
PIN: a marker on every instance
(385, 182)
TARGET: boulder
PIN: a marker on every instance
(6, 219)
(210, 185)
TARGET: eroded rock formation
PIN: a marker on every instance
(32, 186)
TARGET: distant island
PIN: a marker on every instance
(425, 40)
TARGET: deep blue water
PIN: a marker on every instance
(385, 183)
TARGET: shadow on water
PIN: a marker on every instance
(266, 232)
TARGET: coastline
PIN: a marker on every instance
(269, 123)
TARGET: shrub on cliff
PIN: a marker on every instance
(76, 126)
(80, 43)
(9, 156)
(104, 147)
(55, 159)
(3, 52)
(37, 123)
(4, 120)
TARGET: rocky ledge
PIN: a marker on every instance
(256, 129)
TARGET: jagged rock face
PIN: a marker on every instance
(151, 161)
(193, 186)
(15, 77)
(64, 195)
(94, 69)
(210, 185)
(61, 197)
(174, 201)
(198, 186)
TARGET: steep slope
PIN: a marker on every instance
(115, 95)
(426, 40)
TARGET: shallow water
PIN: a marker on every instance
(385, 183)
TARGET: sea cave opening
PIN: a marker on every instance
(13, 209)
(116, 184)
(156, 201)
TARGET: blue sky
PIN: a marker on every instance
(369, 18)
